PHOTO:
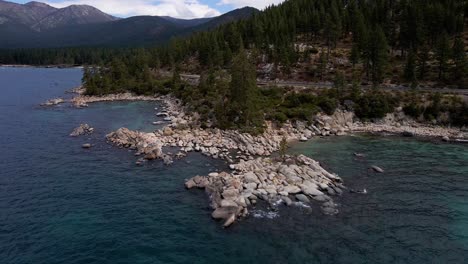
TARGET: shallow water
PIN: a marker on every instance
(60, 203)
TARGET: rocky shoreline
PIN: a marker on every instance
(255, 175)
(83, 100)
(398, 124)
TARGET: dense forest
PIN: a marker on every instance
(349, 42)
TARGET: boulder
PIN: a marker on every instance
(287, 200)
(310, 190)
(330, 191)
(52, 102)
(83, 129)
(230, 193)
(224, 212)
(167, 160)
(190, 184)
(167, 131)
(228, 203)
(251, 177)
(377, 169)
(250, 186)
(302, 198)
(86, 146)
(292, 189)
(321, 198)
(230, 220)
(329, 210)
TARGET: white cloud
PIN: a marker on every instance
(260, 4)
(125, 8)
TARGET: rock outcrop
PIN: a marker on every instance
(232, 193)
(146, 144)
(53, 102)
(83, 129)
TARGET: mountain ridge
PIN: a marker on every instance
(39, 25)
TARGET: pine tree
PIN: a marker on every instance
(378, 58)
(410, 68)
(339, 83)
(443, 54)
(322, 65)
(423, 58)
(459, 59)
(355, 55)
(244, 93)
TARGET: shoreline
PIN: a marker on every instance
(84, 100)
(53, 66)
(254, 174)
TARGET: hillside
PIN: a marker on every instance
(73, 15)
(361, 56)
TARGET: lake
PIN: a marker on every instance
(60, 203)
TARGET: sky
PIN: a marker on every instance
(175, 8)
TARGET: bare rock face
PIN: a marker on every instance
(83, 129)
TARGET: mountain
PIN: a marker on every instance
(27, 14)
(73, 15)
(38, 25)
(238, 14)
(133, 31)
(39, 16)
(187, 23)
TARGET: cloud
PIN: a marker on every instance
(260, 4)
(125, 8)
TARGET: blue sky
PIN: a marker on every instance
(175, 8)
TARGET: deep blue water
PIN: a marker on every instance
(60, 203)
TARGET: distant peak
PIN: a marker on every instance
(81, 6)
(37, 4)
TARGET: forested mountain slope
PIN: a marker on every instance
(37, 25)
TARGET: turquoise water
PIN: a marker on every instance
(60, 203)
